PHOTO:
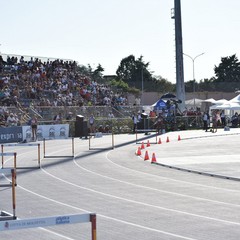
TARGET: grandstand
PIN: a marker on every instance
(46, 86)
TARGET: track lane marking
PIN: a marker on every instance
(141, 203)
(154, 189)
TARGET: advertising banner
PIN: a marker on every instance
(54, 131)
(43, 222)
(10, 134)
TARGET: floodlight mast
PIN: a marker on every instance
(180, 86)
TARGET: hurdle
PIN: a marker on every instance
(5, 215)
(23, 145)
(19, 224)
(146, 131)
(44, 150)
(14, 154)
(99, 135)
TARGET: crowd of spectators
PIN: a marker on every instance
(55, 83)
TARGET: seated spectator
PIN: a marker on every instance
(11, 120)
(69, 116)
(58, 118)
(2, 121)
(110, 115)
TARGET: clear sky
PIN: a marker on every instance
(106, 31)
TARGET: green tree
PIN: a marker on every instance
(228, 70)
(123, 86)
(84, 70)
(97, 74)
(133, 71)
(161, 84)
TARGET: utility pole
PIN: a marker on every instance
(176, 15)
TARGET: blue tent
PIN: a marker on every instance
(160, 105)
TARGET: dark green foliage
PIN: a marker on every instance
(227, 78)
(228, 70)
(123, 86)
(133, 70)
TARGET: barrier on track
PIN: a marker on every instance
(51, 221)
(98, 135)
(53, 156)
(146, 131)
(4, 215)
(22, 145)
(14, 154)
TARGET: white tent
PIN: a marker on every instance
(233, 104)
(221, 101)
(210, 100)
(213, 101)
(195, 102)
(228, 105)
(236, 99)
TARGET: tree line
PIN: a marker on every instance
(132, 72)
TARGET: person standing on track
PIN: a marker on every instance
(214, 121)
(205, 121)
(34, 123)
(135, 121)
(91, 123)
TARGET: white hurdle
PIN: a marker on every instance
(14, 154)
(22, 145)
(97, 135)
(146, 131)
(44, 150)
(50, 221)
(4, 215)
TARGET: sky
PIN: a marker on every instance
(106, 31)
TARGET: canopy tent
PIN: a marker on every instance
(210, 100)
(233, 104)
(228, 105)
(221, 101)
(159, 105)
(236, 99)
(195, 102)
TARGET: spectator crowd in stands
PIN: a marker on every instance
(50, 83)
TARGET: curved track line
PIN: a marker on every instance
(170, 179)
(141, 203)
(154, 189)
(104, 216)
(136, 225)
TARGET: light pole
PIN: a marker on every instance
(193, 63)
(142, 84)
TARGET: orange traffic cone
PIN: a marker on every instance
(148, 143)
(142, 146)
(168, 140)
(159, 141)
(179, 138)
(138, 152)
(146, 156)
(154, 158)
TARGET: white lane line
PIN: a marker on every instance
(165, 178)
(104, 216)
(169, 179)
(157, 190)
(57, 234)
(141, 203)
